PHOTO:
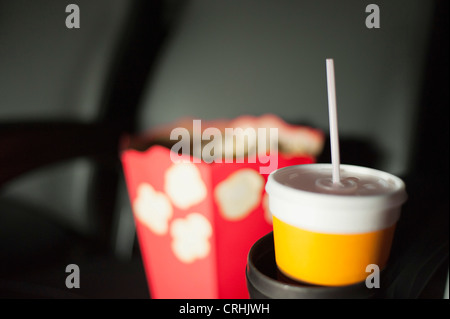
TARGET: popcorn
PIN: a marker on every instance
(191, 237)
(239, 194)
(184, 185)
(207, 206)
(153, 208)
(293, 140)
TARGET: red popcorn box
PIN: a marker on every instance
(198, 216)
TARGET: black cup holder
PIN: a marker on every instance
(265, 281)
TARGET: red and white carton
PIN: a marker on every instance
(196, 221)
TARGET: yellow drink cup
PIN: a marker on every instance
(327, 234)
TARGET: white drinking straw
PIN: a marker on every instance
(332, 114)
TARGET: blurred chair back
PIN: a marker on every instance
(227, 58)
(67, 97)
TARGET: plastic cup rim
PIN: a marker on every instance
(290, 193)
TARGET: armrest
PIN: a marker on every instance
(28, 145)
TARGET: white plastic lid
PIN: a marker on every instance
(300, 196)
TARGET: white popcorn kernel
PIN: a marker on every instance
(191, 237)
(184, 185)
(152, 208)
(239, 194)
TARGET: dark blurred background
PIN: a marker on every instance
(67, 96)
